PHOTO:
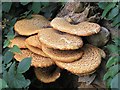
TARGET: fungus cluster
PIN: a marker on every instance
(56, 45)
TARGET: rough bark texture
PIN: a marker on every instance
(76, 12)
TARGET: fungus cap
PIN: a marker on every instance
(63, 55)
(37, 60)
(90, 60)
(81, 29)
(47, 76)
(36, 50)
(34, 41)
(102, 53)
(19, 41)
(58, 40)
(31, 26)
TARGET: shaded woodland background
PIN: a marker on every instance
(104, 13)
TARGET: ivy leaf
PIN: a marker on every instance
(102, 5)
(8, 57)
(117, 41)
(112, 71)
(16, 49)
(5, 75)
(6, 43)
(112, 48)
(36, 7)
(8, 65)
(113, 61)
(6, 6)
(115, 82)
(108, 8)
(27, 14)
(116, 20)
(12, 22)
(114, 12)
(16, 80)
(108, 81)
(117, 25)
(50, 10)
(19, 81)
(3, 84)
(11, 75)
(24, 65)
(10, 34)
(0, 64)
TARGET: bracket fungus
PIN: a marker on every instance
(31, 26)
(58, 40)
(19, 41)
(81, 29)
(103, 54)
(62, 55)
(47, 75)
(90, 60)
(34, 41)
(37, 60)
(60, 45)
(36, 50)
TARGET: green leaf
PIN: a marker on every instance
(36, 7)
(12, 22)
(102, 5)
(8, 65)
(119, 5)
(24, 3)
(5, 75)
(112, 61)
(49, 11)
(45, 4)
(10, 34)
(11, 75)
(108, 81)
(117, 41)
(8, 57)
(112, 72)
(114, 12)
(6, 43)
(108, 8)
(29, 16)
(116, 20)
(6, 6)
(16, 80)
(3, 84)
(115, 82)
(112, 48)
(5, 50)
(24, 65)
(117, 25)
(16, 49)
(3, 67)
(0, 64)
(20, 81)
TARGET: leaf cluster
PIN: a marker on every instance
(113, 65)
(111, 11)
(13, 71)
(25, 9)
